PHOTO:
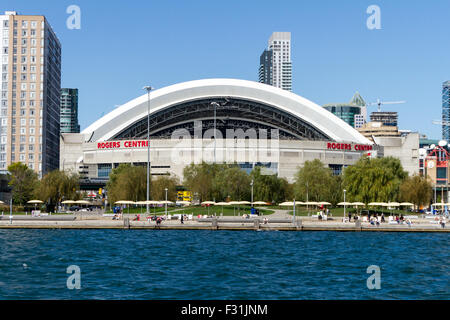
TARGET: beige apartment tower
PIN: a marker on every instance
(30, 87)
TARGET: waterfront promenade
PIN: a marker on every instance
(280, 221)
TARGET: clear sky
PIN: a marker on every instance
(124, 45)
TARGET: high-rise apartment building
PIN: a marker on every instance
(69, 111)
(275, 62)
(30, 87)
(446, 110)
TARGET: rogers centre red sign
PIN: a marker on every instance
(122, 144)
(348, 146)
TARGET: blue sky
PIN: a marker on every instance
(124, 45)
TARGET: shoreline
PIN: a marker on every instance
(217, 225)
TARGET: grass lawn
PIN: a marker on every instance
(339, 212)
(6, 213)
(196, 210)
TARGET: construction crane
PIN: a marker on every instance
(379, 103)
(442, 123)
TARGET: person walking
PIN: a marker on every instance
(182, 219)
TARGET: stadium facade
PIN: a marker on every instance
(257, 125)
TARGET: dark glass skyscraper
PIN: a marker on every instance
(265, 67)
(69, 111)
(275, 66)
(446, 110)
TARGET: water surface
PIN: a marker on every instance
(201, 264)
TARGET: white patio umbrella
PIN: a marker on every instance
(376, 204)
(222, 204)
(165, 202)
(208, 203)
(391, 204)
(243, 203)
(68, 202)
(152, 203)
(260, 203)
(35, 202)
(234, 204)
(310, 203)
(358, 204)
(122, 202)
(288, 204)
(140, 203)
(345, 204)
(125, 202)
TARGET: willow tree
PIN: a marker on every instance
(269, 187)
(374, 180)
(315, 182)
(199, 179)
(158, 186)
(57, 185)
(127, 182)
(417, 190)
(233, 182)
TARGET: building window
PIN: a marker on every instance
(104, 169)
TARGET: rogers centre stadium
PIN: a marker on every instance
(257, 125)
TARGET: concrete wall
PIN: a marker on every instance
(406, 148)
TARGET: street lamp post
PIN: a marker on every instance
(251, 184)
(148, 89)
(344, 202)
(215, 104)
(166, 201)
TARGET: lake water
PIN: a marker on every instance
(193, 264)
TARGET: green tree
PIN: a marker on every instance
(199, 179)
(158, 186)
(127, 182)
(374, 180)
(232, 181)
(23, 181)
(57, 185)
(315, 182)
(268, 187)
(417, 190)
